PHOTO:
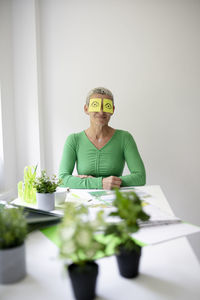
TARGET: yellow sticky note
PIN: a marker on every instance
(108, 106)
(95, 105)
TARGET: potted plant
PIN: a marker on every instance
(80, 249)
(128, 213)
(13, 231)
(45, 188)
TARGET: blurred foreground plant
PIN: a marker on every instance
(13, 227)
(77, 235)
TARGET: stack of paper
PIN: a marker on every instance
(161, 226)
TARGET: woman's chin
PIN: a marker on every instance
(102, 122)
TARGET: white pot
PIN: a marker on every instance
(12, 264)
(45, 201)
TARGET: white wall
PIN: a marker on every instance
(146, 52)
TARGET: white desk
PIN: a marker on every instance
(167, 271)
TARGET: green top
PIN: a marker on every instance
(100, 163)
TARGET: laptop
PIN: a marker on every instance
(36, 218)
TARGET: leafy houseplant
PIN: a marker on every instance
(26, 191)
(13, 231)
(80, 249)
(128, 212)
(45, 188)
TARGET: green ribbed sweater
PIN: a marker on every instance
(100, 163)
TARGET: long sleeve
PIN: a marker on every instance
(135, 165)
(67, 164)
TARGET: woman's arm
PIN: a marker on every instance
(135, 165)
(67, 166)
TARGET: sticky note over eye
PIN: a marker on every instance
(108, 106)
(95, 105)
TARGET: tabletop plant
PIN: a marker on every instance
(13, 232)
(128, 214)
(80, 248)
(26, 190)
(46, 184)
(45, 188)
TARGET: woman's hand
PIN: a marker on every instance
(111, 182)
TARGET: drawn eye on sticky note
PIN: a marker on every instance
(95, 105)
(108, 106)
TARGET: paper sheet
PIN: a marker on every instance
(158, 234)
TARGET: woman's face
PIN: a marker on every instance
(99, 118)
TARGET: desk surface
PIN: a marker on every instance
(167, 271)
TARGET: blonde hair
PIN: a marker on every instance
(99, 90)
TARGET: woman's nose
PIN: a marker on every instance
(101, 109)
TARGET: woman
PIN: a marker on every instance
(101, 151)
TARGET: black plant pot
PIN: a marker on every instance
(128, 262)
(83, 279)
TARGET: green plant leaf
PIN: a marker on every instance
(77, 234)
(129, 209)
(13, 227)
